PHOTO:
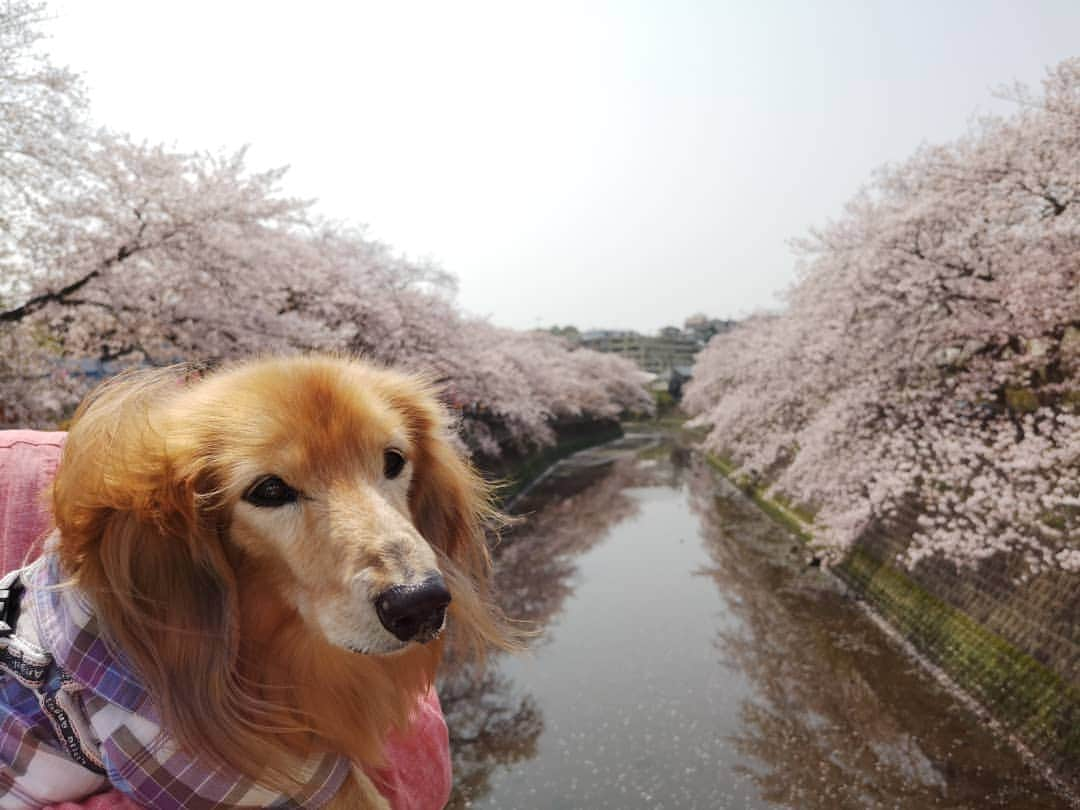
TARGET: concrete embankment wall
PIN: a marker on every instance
(518, 469)
(1008, 639)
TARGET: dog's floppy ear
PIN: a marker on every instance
(452, 507)
(140, 534)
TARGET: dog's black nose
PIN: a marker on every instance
(414, 611)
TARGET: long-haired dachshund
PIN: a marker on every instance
(247, 585)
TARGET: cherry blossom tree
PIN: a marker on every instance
(41, 138)
(929, 354)
(114, 253)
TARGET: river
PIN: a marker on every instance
(688, 656)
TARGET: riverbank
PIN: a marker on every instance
(516, 472)
(1031, 703)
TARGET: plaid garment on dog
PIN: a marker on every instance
(107, 722)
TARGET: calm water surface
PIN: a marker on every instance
(690, 658)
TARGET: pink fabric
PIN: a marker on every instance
(28, 461)
(418, 776)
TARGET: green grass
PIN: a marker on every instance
(671, 420)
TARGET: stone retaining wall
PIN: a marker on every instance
(518, 470)
(1009, 639)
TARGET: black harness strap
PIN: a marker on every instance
(65, 730)
(36, 675)
(11, 591)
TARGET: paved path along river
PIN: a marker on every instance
(690, 658)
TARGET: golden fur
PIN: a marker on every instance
(240, 619)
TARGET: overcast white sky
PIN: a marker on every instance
(613, 164)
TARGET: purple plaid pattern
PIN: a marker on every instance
(117, 720)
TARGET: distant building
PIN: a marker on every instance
(669, 354)
(631, 345)
(704, 328)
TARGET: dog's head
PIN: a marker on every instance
(304, 508)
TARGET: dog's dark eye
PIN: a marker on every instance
(271, 491)
(393, 463)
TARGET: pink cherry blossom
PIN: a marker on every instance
(929, 354)
(133, 253)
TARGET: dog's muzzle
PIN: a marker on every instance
(414, 612)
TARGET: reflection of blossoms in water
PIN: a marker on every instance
(535, 567)
(536, 562)
(489, 726)
(837, 719)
